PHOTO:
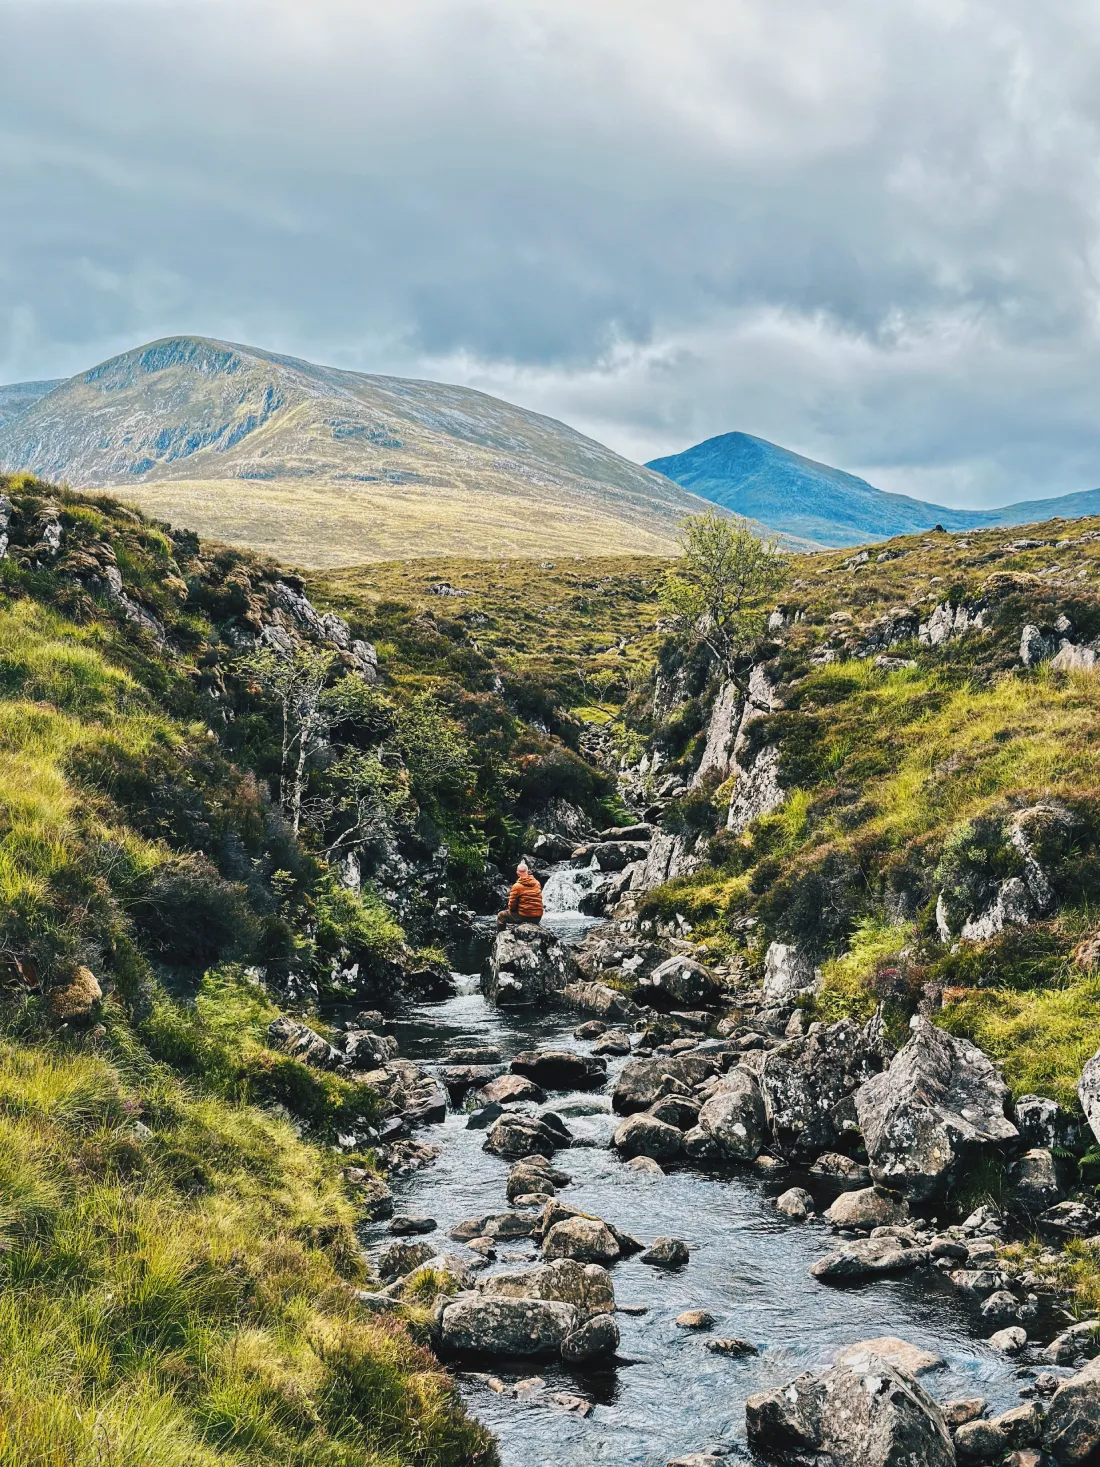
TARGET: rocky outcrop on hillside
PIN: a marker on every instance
(939, 1106)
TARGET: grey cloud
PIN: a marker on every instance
(868, 232)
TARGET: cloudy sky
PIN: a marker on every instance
(868, 231)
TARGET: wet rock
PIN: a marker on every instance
(1000, 1308)
(514, 1136)
(643, 1081)
(976, 1283)
(645, 1166)
(599, 999)
(957, 1413)
(482, 1119)
(909, 1358)
(365, 1050)
(585, 1286)
(939, 1106)
(594, 1340)
(666, 1253)
(733, 1117)
(560, 1069)
(675, 1110)
(1081, 1339)
(590, 1029)
(525, 1179)
(1035, 1181)
(795, 1203)
(679, 983)
(845, 1171)
(511, 1089)
(500, 1227)
(1072, 1431)
(1043, 1122)
(402, 1225)
(1088, 1091)
(808, 1084)
(865, 1413)
(584, 1239)
(528, 965)
(729, 1345)
(482, 1054)
(644, 1135)
(1009, 1341)
(869, 1208)
(491, 1325)
(615, 1041)
(400, 1259)
(867, 1258)
(980, 1441)
(695, 1319)
(460, 1078)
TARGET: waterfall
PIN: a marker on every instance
(567, 884)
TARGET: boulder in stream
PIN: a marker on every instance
(644, 1135)
(585, 1286)
(939, 1106)
(733, 1117)
(871, 1207)
(527, 966)
(642, 1081)
(484, 1324)
(509, 1089)
(867, 1258)
(514, 1136)
(561, 1069)
(865, 1412)
(583, 1239)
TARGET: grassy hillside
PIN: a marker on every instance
(901, 783)
(177, 1238)
(323, 467)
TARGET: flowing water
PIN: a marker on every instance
(667, 1394)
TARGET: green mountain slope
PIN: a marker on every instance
(325, 467)
(798, 496)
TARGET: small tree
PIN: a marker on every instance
(297, 683)
(719, 593)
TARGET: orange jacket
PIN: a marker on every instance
(525, 898)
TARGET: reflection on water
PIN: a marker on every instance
(670, 1395)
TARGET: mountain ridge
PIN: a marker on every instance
(325, 466)
(795, 495)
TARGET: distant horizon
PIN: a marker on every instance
(1035, 497)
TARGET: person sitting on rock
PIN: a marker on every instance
(524, 900)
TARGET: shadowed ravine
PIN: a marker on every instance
(667, 1395)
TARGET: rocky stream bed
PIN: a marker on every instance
(667, 1358)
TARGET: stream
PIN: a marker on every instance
(666, 1394)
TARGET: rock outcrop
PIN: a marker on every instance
(808, 1085)
(1088, 1091)
(1071, 1434)
(938, 1106)
(678, 983)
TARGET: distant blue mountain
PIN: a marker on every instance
(797, 496)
